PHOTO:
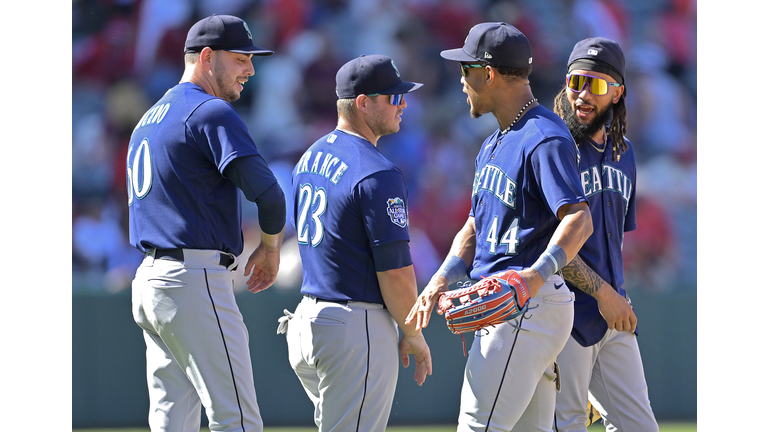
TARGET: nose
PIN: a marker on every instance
(585, 93)
(250, 70)
(403, 103)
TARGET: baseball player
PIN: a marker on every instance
(602, 355)
(190, 156)
(528, 214)
(351, 217)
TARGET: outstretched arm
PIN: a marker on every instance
(463, 249)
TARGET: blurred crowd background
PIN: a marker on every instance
(127, 53)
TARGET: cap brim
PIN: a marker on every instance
(403, 87)
(458, 55)
(252, 50)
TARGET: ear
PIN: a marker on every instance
(206, 57)
(491, 75)
(618, 93)
(362, 101)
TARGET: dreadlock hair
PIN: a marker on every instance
(616, 130)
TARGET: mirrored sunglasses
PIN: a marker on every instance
(467, 66)
(597, 86)
(395, 99)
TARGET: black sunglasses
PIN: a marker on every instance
(466, 66)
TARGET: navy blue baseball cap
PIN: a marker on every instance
(497, 43)
(371, 74)
(222, 32)
(600, 55)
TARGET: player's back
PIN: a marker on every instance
(334, 217)
(177, 195)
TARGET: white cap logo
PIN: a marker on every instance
(393, 65)
(487, 55)
(247, 30)
(592, 52)
(530, 60)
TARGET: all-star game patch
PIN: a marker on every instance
(396, 212)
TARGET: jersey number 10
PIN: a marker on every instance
(139, 171)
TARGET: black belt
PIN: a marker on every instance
(225, 260)
(311, 297)
(318, 299)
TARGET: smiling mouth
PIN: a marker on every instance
(585, 110)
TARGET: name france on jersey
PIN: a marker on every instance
(396, 208)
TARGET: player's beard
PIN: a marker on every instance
(226, 90)
(383, 125)
(384, 128)
(580, 131)
(474, 112)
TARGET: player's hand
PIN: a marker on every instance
(422, 309)
(616, 310)
(262, 266)
(416, 345)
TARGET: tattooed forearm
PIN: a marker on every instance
(582, 277)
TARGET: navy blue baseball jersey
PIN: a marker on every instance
(348, 199)
(178, 196)
(610, 188)
(536, 159)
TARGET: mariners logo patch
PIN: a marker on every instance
(396, 212)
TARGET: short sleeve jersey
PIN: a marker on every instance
(348, 199)
(610, 188)
(521, 179)
(178, 196)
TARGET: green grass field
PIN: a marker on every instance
(663, 427)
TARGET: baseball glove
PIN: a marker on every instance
(490, 301)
